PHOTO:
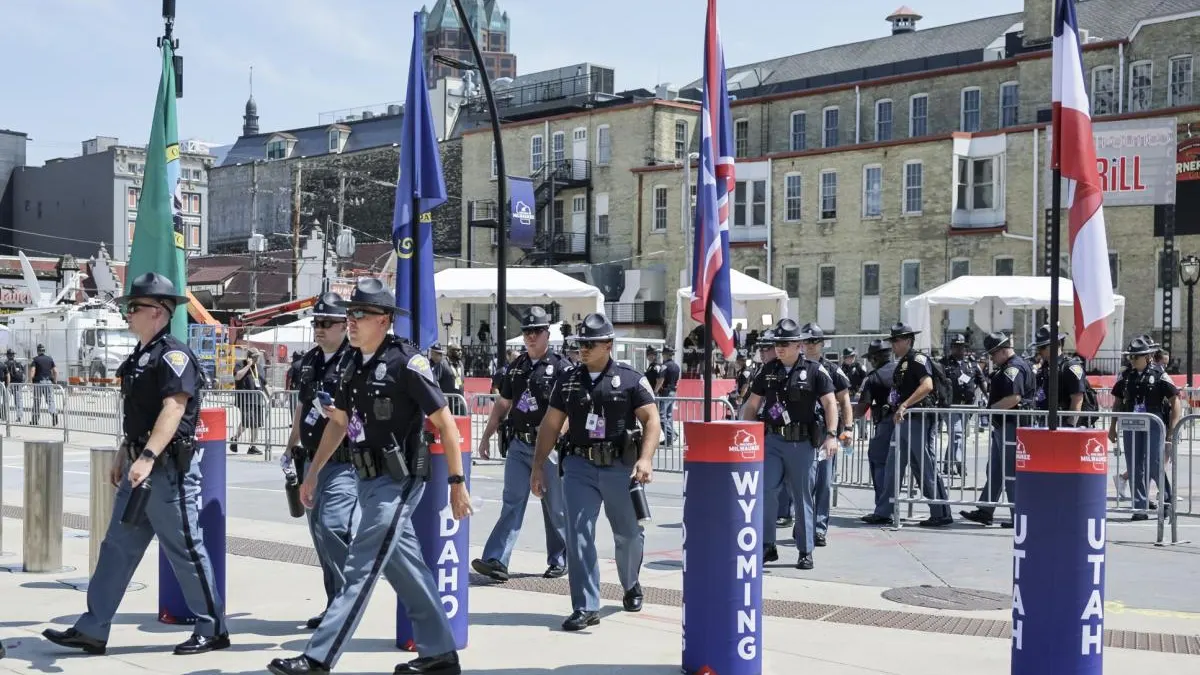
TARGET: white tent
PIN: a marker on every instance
(524, 286)
(296, 336)
(751, 300)
(994, 299)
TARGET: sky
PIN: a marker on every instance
(76, 69)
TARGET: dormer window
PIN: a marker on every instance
(280, 146)
(337, 138)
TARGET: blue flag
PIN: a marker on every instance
(421, 188)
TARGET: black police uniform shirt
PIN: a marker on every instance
(966, 376)
(1071, 379)
(790, 395)
(446, 379)
(499, 376)
(670, 377)
(742, 380)
(600, 408)
(161, 368)
(317, 374)
(43, 368)
(528, 386)
(856, 374)
(1014, 377)
(388, 395)
(841, 381)
(910, 370)
(1149, 390)
(877, 388)
(654, 374)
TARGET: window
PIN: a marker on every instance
(277, 149)
(826, 281)
(660, 209)
(559, 143)
(1114, 268)
(799, 131)
(741, 137)
(793, 188)
(557, 222)
(883, 120)
(1010, 104)
(959, 268)
(870, 279)
(335, 140)
(194, 237)
(537, 153)
(1104, 87)
(918, 115)
(872, 191)
(970, 110)
(1141, 86)
(1180, 89)
(830, 138)
(1003, 266)
(602, 214)
(791, 281)
(828, 195)
(976, 187)
(190, 203)
(910, 278)
(131, 224)
(750, 203)
(681, 139)
(603, 146)
(133, 194)
(914, 183)
(752, 272)
(495, 167)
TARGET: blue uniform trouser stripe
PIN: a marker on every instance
(517, 468)
(192, 541)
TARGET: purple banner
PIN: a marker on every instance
(522, 212)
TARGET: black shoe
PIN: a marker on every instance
(73, 639)
(1006, 524)
(805, 562)
(977, 516)
(315, 622)
(580, 619)
(202, 644)
(784, 522)
(442, 664)
(819, 540)
(253, 451)
(632, 602)
(1139, 516)
(492, 569)
(934, 521)
(554, 572)
(873, 519)
(233, 449)
(297, 665)
(770, 553)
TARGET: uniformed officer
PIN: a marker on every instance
(602, 400)
(967, 380)
(386, 392)
(789, 390)
(331, 519)
(1072, 380)
(653, 368)
(160, 383)
(510, 355)
(528, 382)
(1145, 388)
(827, 467)
(571, 348)
(912, 388)
(665, 392)
(853, 369)
(741, 383)
(873, 396)
(43, 373)
(766, 354)
(448, 377)
(1013, 387)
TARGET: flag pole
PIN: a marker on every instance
(708, 357)
(414, 277)
(1055, 256)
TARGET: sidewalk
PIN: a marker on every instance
(512, 632)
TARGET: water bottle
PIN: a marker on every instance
(641, 507)
(135, 508)
(291, 487)
(447, 513)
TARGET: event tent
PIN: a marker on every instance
(295, 336)
(994, 299)
(751, 300)
(525, 286)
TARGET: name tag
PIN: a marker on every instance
(964, 379)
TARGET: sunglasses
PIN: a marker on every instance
(134, 308)
(358, 314)
(534, 331)
(585, 346)
(326, 323)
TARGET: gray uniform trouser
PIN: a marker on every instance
(517, 468)
(878, 451)
(1002, 465)
(385, 543)
(586, 487)
(915, 449)
(331, 522)
(796, 464)
(172, 515)
(1144, 455)
(823, 492)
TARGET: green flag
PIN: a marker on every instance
(158, 233)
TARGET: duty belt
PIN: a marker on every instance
(791, 433)
(342, 454)
(603, 453)
(528, 437)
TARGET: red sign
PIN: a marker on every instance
(723, 442)
(1187, 167)
(211, 425)
(1062, 451)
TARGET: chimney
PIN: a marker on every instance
(904, 20)
(1039, 22)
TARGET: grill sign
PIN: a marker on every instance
(1136, 160)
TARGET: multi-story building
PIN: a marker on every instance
(73, 204)
(12, 155)
(445, 35)
(872, 172)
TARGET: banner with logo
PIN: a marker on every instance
(1135, 158)
(1187, 166)
(522, 221)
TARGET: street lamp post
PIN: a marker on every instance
(687, 212)
(1189, 273)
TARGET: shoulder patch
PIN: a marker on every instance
(177, 360)
(1077, 370)
(1011, 373)
(420, 365)
(921, 359)
(645, 384)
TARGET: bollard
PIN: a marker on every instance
(722, 565)
(210, 439)
(1058, 551)
(100, 504)
(445, 543)
(43, 531)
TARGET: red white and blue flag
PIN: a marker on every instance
(710, 259)
(1074, 154)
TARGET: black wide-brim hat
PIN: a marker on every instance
(878, 347)
(596, 328)
(329, 306)
(995, 341)
(901, 330)
(152, 286)
(370, 292)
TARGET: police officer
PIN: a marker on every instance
(387, 389)
(967, 380)
(447, 377)
(160, 383)
(873, 396)
(789, 390)
(331, 519)
(1072, 380)
(826, 468)
(912, 388)
(665, 392)
(602, 400)
(571, 348)
(766, 354)
(853, 369)
(1013, 386)
(14, 374)
(741, 383)
(524, 398)
(509, 356)
(43, 373)
(653, 368)
(1145, 388)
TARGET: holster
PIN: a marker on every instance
(633, 447)
(366, 463)
(601, 455)
(506, 430)
(816, 434)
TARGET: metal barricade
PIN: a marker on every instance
(1182, 448)
(247, 419)
(94, 410)
(35, 405)
(480, 409)
(673, 412)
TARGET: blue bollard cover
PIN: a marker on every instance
(722, 559)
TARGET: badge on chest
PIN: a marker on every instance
(528, 402)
